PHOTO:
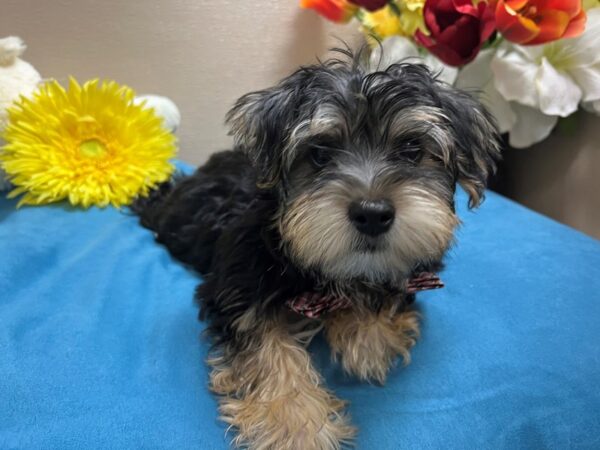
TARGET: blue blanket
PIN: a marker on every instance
(100, 346)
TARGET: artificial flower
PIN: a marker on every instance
(525, 125)
(477, 77)
(89, 144)
(399, 49)
(589, 4)
(383, 23)
(411, 16)
(396, 19)
(458, 29)
(528, 88)
(413, 5)
(529, 22)
(334, 10)
(370, 5)
(553, 78)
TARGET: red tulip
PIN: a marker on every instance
(371, 5)
(538, 21)
(334, 10)
(458, 29)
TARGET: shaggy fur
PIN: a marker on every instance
(341, 183)
(275, 398)
(367, 342)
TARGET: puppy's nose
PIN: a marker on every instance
(372, 217)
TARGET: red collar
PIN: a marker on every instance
(313, 304)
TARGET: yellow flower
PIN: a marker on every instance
(90, 145)
(382, 23)
(412, 16)
(400, 18)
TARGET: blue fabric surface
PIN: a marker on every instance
(100, 346)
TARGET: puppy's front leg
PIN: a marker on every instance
(368, 342)
(273, 396)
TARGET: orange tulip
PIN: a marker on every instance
(334, 10)
(529, 22)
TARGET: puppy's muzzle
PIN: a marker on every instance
(372, 217)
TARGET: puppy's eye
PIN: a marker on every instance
(319, 155)
(412, 154)
(408, 150)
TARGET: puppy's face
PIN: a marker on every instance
(370, 203)
(366, 165)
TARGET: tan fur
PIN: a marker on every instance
(327, 120)
(425, 226)
(319, 234)
(428, 121)
(246, 321)
(317, 228)
(275, 399)
(367, 342)
(473, 189)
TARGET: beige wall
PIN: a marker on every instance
(560, 177)
(203, 54)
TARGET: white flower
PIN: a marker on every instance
(525, 125)
(553, 78)
(477, 76)
(397, 49)
(528, 88)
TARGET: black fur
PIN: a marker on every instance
(271, 219)
(223, 220)
(218, 222)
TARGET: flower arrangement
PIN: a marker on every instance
(530, 61)
(91, 144)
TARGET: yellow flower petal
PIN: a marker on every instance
(400, 18)
(89, 144)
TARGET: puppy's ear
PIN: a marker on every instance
(476, 141)
(260, 123)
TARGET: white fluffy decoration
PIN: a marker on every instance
(164, 107)
(17, 77)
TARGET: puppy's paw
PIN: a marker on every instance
(368, 343)
(274, 398)
(303, 420)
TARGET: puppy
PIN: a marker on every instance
(339, 191)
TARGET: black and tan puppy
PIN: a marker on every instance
(340, 188)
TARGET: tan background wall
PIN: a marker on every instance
(560, 177)
(204, 54)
